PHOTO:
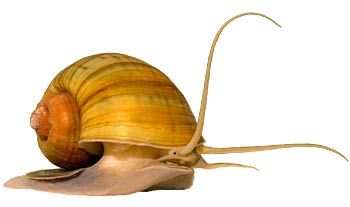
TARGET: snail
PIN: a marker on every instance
(115, 125)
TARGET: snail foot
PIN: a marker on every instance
(106, 180)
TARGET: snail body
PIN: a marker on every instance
(115, 125)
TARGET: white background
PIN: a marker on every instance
(268, 86)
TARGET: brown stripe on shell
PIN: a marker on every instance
(120, 88)
(136, 102)
(184, 119)
(106, 70)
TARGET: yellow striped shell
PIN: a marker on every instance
(122, 99)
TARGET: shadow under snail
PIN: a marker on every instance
(116, 125)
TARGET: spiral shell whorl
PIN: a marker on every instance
(57, 124)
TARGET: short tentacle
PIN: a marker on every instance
(203, 164)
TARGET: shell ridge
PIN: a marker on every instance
(99, 70)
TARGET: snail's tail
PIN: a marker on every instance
(212, 150)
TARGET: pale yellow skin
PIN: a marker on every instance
(123, 169)
(150, 137)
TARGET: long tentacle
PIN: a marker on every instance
(198, 133)
(212, 150)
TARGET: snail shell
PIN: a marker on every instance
(109, 98)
